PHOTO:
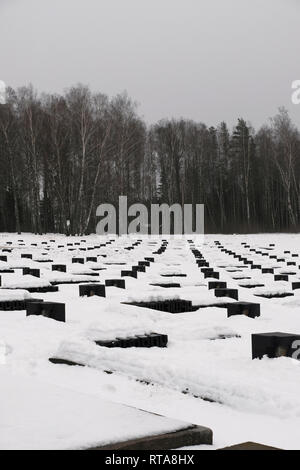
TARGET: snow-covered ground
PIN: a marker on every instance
(205, 376)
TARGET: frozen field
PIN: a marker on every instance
(205, 376)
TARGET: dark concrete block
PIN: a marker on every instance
(170, 285)
(231, 293)
(248, 309)
(56, 360)
(281, 277)
(144, 263)
(202, 263)
(217, 285)
(31, 272)
(26, 256)
(78, 260)
(120, 283)
(207, 270)
(129, 274)
(90, 290)
(59, 267)
(275, 296)
(213, 275)
(140, 341)
(274, 345)
(267, 270)
(53, 310)
(171, 306)
(139, 269)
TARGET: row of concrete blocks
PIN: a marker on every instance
(258, 266)
(57, 311)
(249, 309)
(274, 344)
(74, 260)
(221, 287)
(271, 345)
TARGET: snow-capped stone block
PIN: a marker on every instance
(249, 309)
(231, 293)
(171, 305)
(256, 266)
(78, 260)
(144, 263)
(207, 270)
(213, 275)
(31, 272)
(217, 285)
(139, 341)
(120, 283)
(90, 290)
(59, 267)
(54, 310)
(274, 345)
(139, 269)
(26, 256)
(281, 277)
(202, 263)
(129, 274)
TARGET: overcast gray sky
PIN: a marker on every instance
(209, 60)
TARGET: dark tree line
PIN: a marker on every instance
(63, 155)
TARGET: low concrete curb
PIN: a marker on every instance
(192, 436)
